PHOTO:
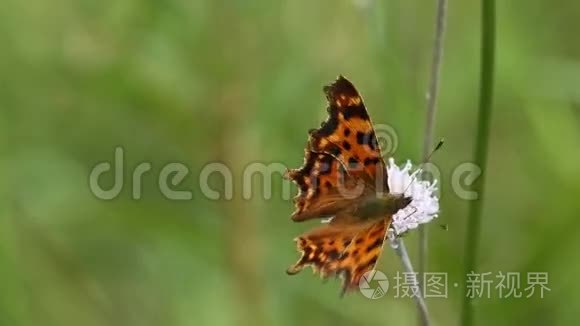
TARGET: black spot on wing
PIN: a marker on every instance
(377, 243)
(325, 164)
(360, 137)
(346, 145)
(368, 139)
(333, 254)
(352, 163)
(333, 149)
(368, 161)
(358, 111)
(328, 185)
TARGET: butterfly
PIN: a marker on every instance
(343, 178)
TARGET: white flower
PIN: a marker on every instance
(424, 205)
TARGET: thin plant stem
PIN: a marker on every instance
(399, 246)
(430, 116)
(481, 149)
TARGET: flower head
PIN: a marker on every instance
(424, 205)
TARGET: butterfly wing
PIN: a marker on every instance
(346, 250)
(348, 134)
(342, 160)
(325, 186)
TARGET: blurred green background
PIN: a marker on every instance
(240, 82)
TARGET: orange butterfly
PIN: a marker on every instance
(343, 177)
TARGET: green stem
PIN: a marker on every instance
(481, 148)
(399, 246)
(432, 93)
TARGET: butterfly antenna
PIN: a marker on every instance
(425, 161)
(436, 148)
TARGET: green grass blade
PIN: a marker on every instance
(481, 148)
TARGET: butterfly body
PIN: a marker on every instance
(343, 176)
(380, 207)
